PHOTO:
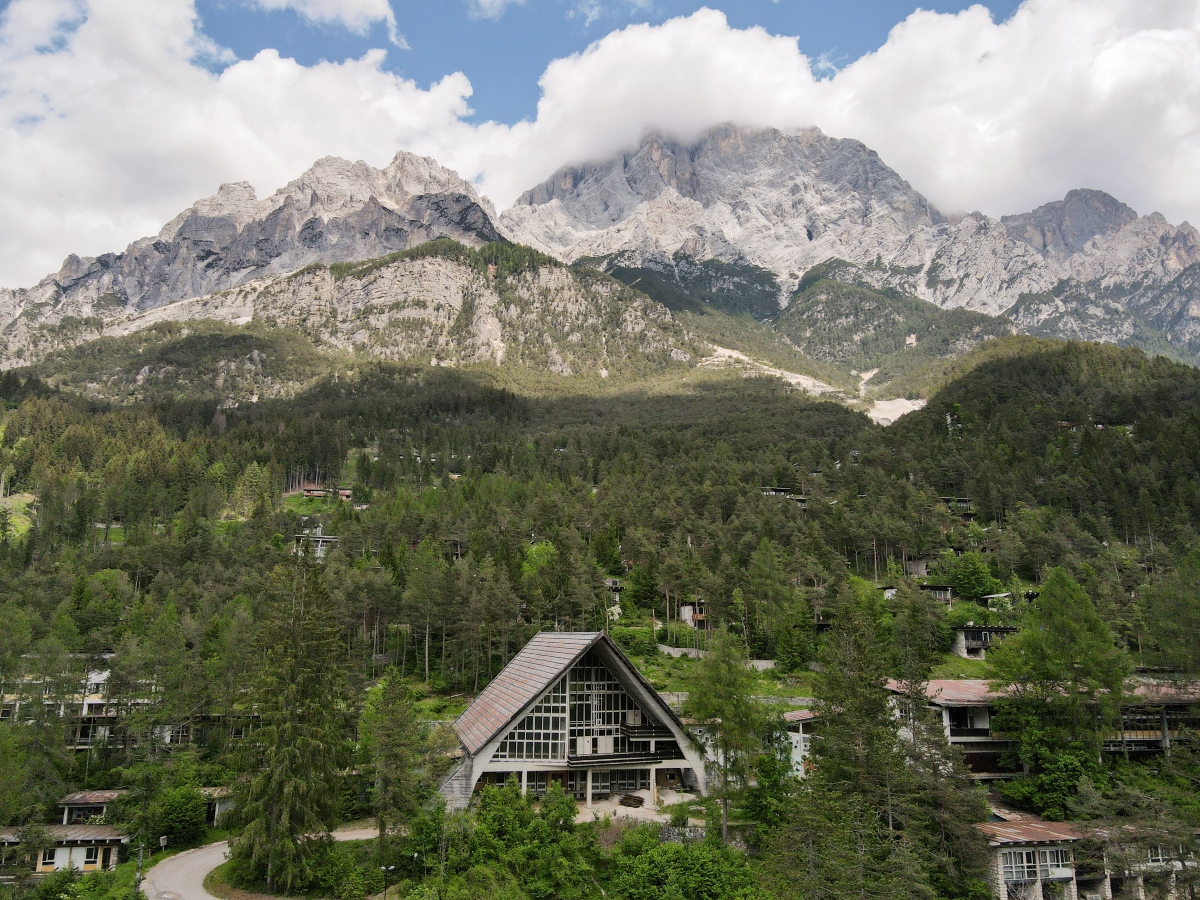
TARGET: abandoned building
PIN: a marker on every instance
(571, 709)
(973, 641)
(85, 848)
(83, 806)
(1032, 859)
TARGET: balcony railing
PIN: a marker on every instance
(620, 760)
(646, 732)
(970, 732)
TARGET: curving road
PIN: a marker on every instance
(181, 877)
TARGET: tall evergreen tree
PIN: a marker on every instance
(721, 700)
(392, 741)
(291, 760)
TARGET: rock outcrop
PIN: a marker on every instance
(437, 309)
(336, 211)
(1087, 266)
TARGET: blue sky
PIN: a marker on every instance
(504, 56)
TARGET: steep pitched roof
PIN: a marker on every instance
(539, 664)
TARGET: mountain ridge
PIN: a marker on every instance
(736, 221)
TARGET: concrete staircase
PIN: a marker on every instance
(459, 785)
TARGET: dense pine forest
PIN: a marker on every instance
(182, 545)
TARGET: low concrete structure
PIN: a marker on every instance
(86, 848)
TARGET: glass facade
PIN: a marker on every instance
(543, 733)
(599, 707)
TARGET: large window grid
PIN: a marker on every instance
(543, 733)
(1053, 861)
(1019, 865)
(599, 706)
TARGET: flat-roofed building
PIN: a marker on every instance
(85, 848)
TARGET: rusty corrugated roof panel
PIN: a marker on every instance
(1166, 691)
(82, 798)
(539, 664)
(70, 834)
(1025, 829)
(799, 715)
(955, 691)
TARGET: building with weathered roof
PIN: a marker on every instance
(85, 848)
(83, 806)
(571, 709)
(1032, 859)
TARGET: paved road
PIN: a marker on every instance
(181, 877)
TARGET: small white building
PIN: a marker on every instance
(80, 807)
(800, 724)
(85, 848)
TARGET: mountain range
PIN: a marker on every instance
(756, 223)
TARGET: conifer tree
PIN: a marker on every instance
(721, 699)
(295, 755)
(392, 739)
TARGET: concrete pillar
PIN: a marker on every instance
(654, 787)
(588, 776)
(524, 782)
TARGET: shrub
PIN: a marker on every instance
(179, 813)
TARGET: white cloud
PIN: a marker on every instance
(356, 15)
(110, 125)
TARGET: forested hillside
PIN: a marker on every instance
(167, 541)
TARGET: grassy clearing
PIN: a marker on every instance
(308, 506)
(20, 518)
(953, 666)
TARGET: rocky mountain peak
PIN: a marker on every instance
(336, 211)
(782, 200)
(1063, 228)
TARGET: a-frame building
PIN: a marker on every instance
(571, 708)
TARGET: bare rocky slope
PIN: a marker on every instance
(336, 211)
(1086, 267)
(742, 221)
(441, 303)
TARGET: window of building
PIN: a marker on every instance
(1157, 857)
(1019, 865)
(543, 733)
(91, 856)
(48, 856)
(599, 705)
(1058, 858)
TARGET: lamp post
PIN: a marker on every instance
(385, 870)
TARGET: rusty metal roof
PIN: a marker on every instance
(70, 834)
(85, 798)
(1023, 828)
(539, 664)
(1166, 692)
(799, 715)
(954, 691)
